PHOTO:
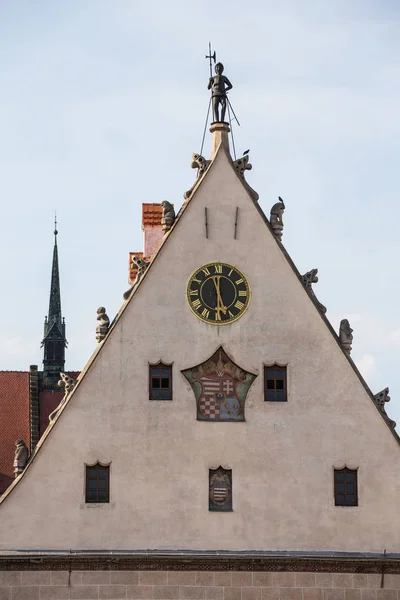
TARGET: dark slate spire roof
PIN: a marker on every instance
(54, 340)
(54, 315)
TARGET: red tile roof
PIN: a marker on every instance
(49, 400)
(15, 416)
(151, 215)
(14, 420)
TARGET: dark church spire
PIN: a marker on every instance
(54, 340)
(55, 296)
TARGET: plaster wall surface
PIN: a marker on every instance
(282, 457)
(152, 238)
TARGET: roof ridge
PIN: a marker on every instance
(13, 371)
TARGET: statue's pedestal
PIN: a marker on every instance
(220, 133)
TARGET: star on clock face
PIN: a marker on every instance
(218, 293)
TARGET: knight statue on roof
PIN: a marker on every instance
(219, 85)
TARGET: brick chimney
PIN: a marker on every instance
(152, 236)
(151, 227)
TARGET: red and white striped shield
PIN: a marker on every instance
(208, 405)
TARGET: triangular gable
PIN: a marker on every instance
(220, 150)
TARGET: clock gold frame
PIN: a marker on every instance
(211, 321)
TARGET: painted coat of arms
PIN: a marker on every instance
(220, 489)
(220, 387)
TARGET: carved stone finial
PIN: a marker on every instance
(380, 400)
(20, 457)
(168, 216)
(308, 279)
(276, 218)
(345, 336)
(141, 267)
(200, 163)
(68, 383)
(104, 324)
(241, 165)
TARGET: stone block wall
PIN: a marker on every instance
(195, 585)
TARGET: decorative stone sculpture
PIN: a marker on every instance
(168, 216)
(68, 383)
(345, 335)
(20, 457)
(104, 324)
(276, 218)
(241, 165)
(200, 163)
(219, 85)
(308, 279)
(380, 400)
(141, 267)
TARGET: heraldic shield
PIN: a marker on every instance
(220, 489)
(220, 388)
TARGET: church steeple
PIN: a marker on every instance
(54, 340)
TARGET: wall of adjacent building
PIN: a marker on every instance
(282, 458)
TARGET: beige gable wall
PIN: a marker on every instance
(281, 458)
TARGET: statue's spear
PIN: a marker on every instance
(212, 56)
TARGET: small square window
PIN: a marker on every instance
(97, 483)
(160, 377)
(345, 487)
(275, 389)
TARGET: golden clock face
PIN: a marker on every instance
(218, 293)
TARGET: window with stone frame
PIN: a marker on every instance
(275, 387)
(160, 381)
(97, 483)
(345, 482)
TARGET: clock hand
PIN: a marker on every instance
(220, 304)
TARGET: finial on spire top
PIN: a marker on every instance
(212, 56)
(55, 223)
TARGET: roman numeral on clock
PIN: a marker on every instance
(239, 305)
(196, 304)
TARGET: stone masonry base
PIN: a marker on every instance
(196, 585)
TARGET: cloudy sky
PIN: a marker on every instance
(102, 104)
